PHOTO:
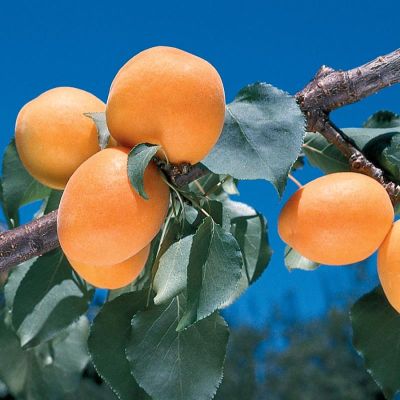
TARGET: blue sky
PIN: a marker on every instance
(83, 44)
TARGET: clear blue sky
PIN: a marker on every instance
(83, 44)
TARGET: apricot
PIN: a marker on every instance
(113, 276)
(102, 220)
(169, 97)
(389, 266)
(53, 137)
(337, 219)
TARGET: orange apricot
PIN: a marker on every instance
(113, 276)
(337, 219)
(389, 266)
(170, 97)
(53, 136)
(102, 220)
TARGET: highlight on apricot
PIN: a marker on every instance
(168, 97)
(338, 219)
(54, 137)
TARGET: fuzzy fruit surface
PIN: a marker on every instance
(102, 220)
(389, 266)
(113, 276)
(53, 137)
(169, 97)
(337, 219)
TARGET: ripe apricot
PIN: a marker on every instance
(337, 219)
(102, 220)
(53, 137)
(169, 97)
(389, 266)
(113, 276)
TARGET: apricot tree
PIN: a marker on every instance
(148, 221)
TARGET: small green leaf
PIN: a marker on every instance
(262, 136)
(214, 271)
(170, 279)
(382, 119)
(294, 260)
(184, 365)
(19, 188)
(107, 341)
(99, 118)
(376, 327)
(138, 160)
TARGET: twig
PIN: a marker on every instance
(327, 91)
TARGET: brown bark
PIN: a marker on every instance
(328, 90)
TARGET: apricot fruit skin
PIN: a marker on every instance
(337, 219)
(167, 96)
(389, 266)
(113, 276)
(53, 137)
(102, 220)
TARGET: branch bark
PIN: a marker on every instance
(328, 91)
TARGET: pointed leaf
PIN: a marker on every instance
(376, 329)
(262, 136)
(138, 160)
(184, 365)
(170, 278)
(99, 118)
(107, 341)
(214, 271)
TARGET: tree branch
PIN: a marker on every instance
(327, 91)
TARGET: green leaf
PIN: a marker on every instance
(262, 136)
(214, 271)
(49, 371)
(382, 119)
(53, 201)
(138, 160)
(329, 159)
(170, 279)
(108, 337)
(99, 119)
(324, 155)
(168, 364)
(294, 260)
(376, 327)
(19, 188)
(47, 300)
(250, 231)
(14, 279)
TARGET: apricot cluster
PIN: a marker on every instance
(344, 218)
(161, 96)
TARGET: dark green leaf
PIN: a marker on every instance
(382, 119)
(19, 188)
(294, 260)
(214, 271)
(376, 327)
(185, 365)
(107, 341)
(53, 201)
(138, 160)
(14, 279)
(99, 118)
(262, 136)
(170, 278)
(47, 300)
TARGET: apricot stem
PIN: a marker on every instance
(295, 181)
